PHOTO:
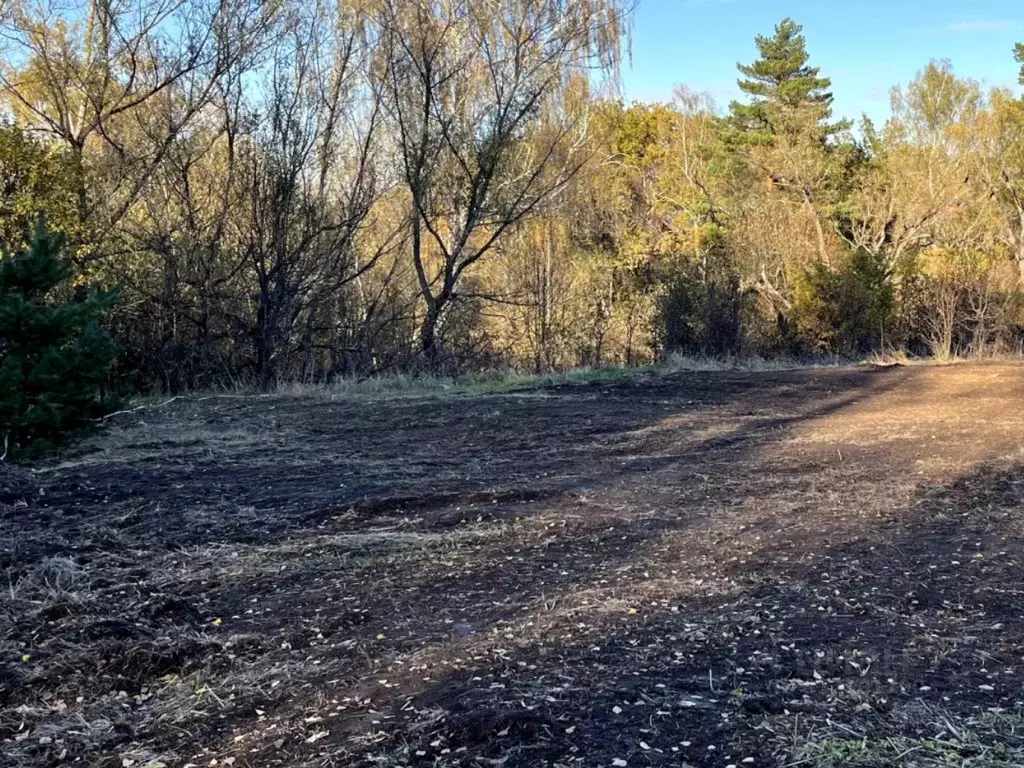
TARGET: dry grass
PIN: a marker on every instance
(407, 386)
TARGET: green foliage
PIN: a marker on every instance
(54, 355)
(702, 316)
(786, 93)
(845, 309)
(700, 309)
(640, 133)
(1018, 54)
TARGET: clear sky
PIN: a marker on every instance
(865, 46)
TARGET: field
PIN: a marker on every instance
(815, 568)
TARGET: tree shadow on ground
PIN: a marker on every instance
(909, 628)
(278, 470)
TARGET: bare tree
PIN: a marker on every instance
(479, 96)
(309, 180)
(254, 217)
(117, 81)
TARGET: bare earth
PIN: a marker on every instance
(815, 568)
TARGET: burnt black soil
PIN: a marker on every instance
(698, 569)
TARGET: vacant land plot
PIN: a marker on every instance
(815, 568)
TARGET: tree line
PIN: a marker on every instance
(297, 190)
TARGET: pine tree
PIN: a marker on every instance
(54, 355)
(785, 135)
(787, 95)
(1018, 54)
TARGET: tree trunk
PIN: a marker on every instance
(430, 344)
(818, 229)
(545, 357)
(265, 342)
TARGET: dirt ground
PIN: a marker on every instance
(817, 568)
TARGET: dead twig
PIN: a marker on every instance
(179, 397)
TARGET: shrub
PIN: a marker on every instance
(844, 309)
(35, 178)
(971, 305)
(701, 305)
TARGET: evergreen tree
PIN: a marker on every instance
(786, 94)
(1018, 54)
(785, 136)
(53, 353)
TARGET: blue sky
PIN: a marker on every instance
(865, 46)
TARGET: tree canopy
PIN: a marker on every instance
(304, 191)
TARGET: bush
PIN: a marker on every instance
(54, 355)
(35, 178)
(700, 309)
(970, 302)
(845, 309)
